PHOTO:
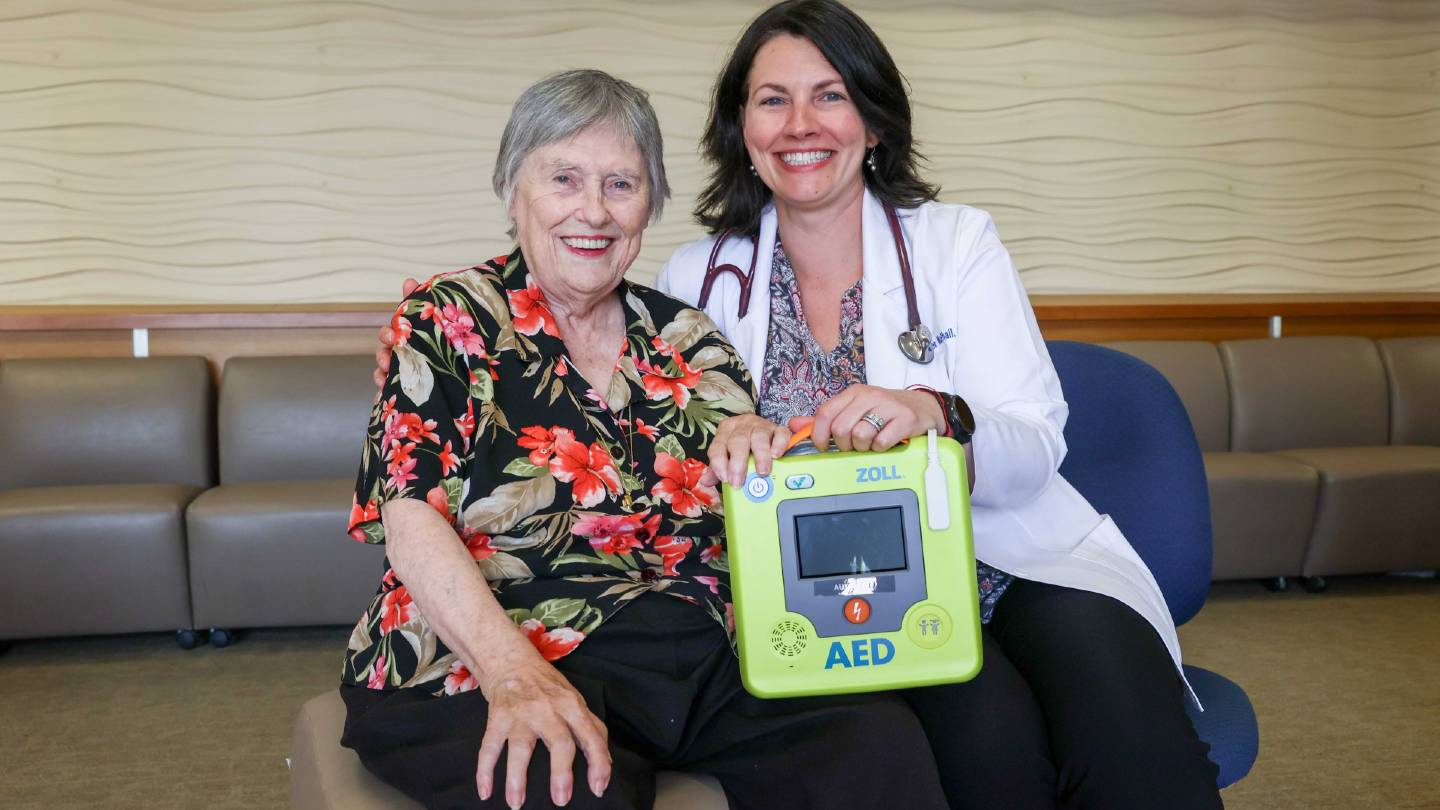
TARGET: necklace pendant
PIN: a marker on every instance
(626, 502)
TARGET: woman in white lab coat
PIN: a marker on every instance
(1080, 702)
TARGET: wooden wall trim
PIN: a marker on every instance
(1173, 307)
(221, 332)
(291, 316)
(1048, 308)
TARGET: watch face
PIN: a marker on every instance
(964, 419)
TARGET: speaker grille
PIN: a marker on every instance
(789, 637)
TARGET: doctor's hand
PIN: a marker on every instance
(903, 414)
(736, 439)
(387, 339)
(529, 701)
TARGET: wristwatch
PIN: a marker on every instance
(958, 416)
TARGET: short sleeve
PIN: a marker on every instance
(741, 392)
(421, 441)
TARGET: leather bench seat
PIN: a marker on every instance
(1379, 509)
(1320, 452)
(326, 776)
(275, 554)
(1262, 511)
(268, 545)
(105, 558)
(1262, 507)
(100, 458)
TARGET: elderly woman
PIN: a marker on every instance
(556, 569)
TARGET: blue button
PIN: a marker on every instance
(801, 481)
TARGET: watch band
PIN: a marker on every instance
(959, 419)
(940, 401)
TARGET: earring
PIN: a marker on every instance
(870, 161)
(752, 170)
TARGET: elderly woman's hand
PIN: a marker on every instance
(527, 699)
(737, 438)
(530, 700)
(387, 339)
(903, 414)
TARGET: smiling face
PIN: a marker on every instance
(804, 134)
(579, 208)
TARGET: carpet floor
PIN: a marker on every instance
(1346, 685)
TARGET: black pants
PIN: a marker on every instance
(1078, 705)
(661, 676)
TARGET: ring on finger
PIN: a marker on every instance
(875, 420)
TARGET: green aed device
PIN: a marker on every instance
(854, 572)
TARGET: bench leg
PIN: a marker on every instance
(1276, 584)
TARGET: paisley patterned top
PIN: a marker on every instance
(799, 375)
(572, 501)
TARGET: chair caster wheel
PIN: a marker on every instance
(1276, 584)
(1315, 584)
(187, 639)
(220, 637)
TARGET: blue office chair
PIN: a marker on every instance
(1133, 455)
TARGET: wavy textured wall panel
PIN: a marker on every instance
(158, 151)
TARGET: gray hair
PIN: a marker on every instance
(562, 105)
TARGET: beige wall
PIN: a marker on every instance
(294, 150)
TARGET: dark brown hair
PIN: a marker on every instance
(734, 196)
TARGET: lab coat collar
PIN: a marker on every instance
(884, 313)
(750, 330)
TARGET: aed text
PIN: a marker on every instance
(863, 652)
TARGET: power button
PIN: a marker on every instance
(757, 488)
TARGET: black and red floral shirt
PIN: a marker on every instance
(572, 501)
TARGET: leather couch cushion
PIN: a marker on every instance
(294, 418)
(325, 776)
(1413, 365)
(1262, 510)
(1306, 392)
(1194, 371)
(275, 554)
(106, 420)
(1379, 509)
(93, 559)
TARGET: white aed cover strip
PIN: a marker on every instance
(937, 489)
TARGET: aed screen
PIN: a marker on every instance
(858, 542)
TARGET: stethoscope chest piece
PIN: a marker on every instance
(916, 344)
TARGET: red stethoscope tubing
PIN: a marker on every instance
(917, 329)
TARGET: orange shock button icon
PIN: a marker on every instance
(857, 610)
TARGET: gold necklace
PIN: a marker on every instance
(628, 427)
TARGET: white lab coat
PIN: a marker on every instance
(1027, 519)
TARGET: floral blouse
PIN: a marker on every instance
(799, 375)
(572, 501)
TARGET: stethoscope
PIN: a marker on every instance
(914, 344)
